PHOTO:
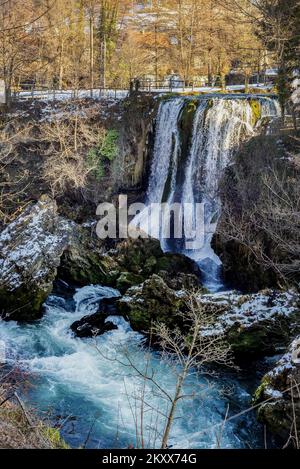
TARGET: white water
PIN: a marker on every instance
(72, 379)
(220, 125)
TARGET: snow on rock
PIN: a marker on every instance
(279, 395)
(30, 252)
(257, 323)
(295, 98)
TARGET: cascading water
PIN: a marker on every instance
(219, 126)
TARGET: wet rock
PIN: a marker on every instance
(85, 260)
(280, 396)
(239, 265)
(127, 279)
(254, 325)
(97, 324)
(92, 326)
(40, 246)
(30, 252)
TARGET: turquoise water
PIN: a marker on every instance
(84, 389)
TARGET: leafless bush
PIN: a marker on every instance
(11, 190)
(262, 213)
(67, 143)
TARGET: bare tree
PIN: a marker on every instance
(185, 353)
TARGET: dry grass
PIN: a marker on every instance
(20, 428)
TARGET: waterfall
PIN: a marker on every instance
(166, 148)
(191, 174)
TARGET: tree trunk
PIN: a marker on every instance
(61, 66)
(246, 83)
(92, 54)
(171, 415)
(283, 88)
(223, 81)
(103, 64)
(209, 69)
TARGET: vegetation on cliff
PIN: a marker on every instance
(258, 233)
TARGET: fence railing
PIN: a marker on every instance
(45, 93)
(168, 85)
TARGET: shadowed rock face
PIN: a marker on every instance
(131, 262)
(280, 388)
(257, 236)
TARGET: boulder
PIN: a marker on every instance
(92, 326)
(129, 263)
(85, 260)
(150, 302)
(256, 324)
(279, 395)
(40, 246)
(30, 252)
(98, 323)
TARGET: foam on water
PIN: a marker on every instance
(79, 385)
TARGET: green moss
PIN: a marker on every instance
(53, 436)
(23, 304)
(150, 265)
(89, 269)
(256, 110)
(259, 393)
(249, 341)
(127, 280)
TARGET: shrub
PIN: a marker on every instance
(106, 150)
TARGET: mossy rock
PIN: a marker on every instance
(260, 340)
(127, 280)
(85, 267)
(151, 302)
(259, 393)
(23, 304)
(275, 415)
(150, 265)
